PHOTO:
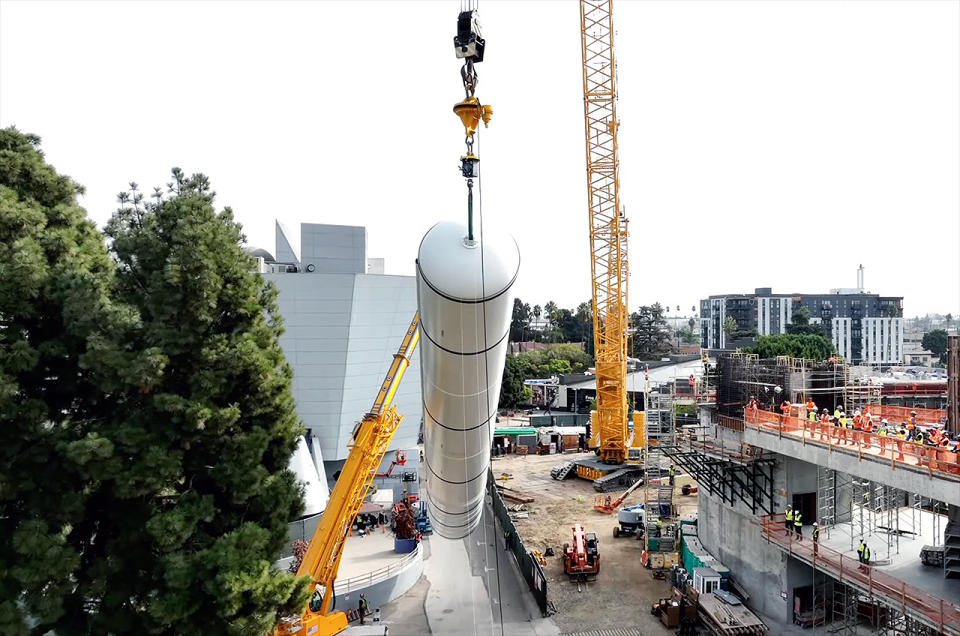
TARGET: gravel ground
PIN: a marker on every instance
(624, 590)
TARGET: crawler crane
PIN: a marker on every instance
(608, 227)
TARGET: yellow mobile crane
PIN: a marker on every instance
(608, 228)
(370, 441)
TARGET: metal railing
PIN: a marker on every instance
(373, 577)
(863, 444)
(935, 611)
(903, 413)
(732, 423)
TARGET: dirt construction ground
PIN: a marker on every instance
(624, 590)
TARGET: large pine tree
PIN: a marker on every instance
(201, 502)
(146, 415)
(55, 317)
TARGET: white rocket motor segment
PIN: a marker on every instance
(465, 310)
(315, 488)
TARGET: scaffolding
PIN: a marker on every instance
(874, 511)
(826, 499)
(661, 437)
(844, 611)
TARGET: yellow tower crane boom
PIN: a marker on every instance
(608, 227)
(369, 442)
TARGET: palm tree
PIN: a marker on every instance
(552, 312)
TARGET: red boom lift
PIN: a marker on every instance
(582, 559)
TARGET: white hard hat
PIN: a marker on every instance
(815, 523)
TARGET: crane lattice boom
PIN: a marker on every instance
(608, 227)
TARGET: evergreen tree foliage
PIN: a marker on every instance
(527, 365)
(810, 346)
(651, 334)
(200, 491)
(56, 321)
(512, 390)
(146, 416)
(935, 342)
(519, 321)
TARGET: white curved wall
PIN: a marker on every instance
(315, 493)
(465, 308)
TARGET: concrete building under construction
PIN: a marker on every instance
(900, 498)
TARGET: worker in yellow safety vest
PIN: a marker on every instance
(788, 519)
(882, 435)
(798, 525)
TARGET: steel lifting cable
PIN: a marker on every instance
(486, 365)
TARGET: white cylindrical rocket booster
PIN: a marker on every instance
(463, 290)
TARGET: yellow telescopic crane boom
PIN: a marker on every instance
(608, 227)
(369, 443)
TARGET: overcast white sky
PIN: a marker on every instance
(762, 143)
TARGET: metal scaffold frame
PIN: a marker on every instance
(874, 510)
(661, 436)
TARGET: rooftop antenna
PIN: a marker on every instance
(860, 278)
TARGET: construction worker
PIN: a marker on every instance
(788, 519)
(752, 408)
(811, 406)
(866, 554)
(816, 537)
(860, 549)
(316, 601)
(659, 526)
(785, 407)
(912, 425)
(825, 424)
(362, 609)
(798, 524)
(673, 473)
(866, 433)
(840, 421)
(882, 435)
(901, 438)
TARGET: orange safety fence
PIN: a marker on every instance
(898, 451)
(942, 613)
(898, 414)
(733, 423)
